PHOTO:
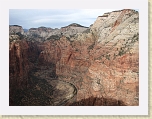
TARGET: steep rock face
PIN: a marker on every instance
(18, 60)
(41, 32)
(102, 61)
(114, 71)
(22, 57)
(72, 29)
(13, 29)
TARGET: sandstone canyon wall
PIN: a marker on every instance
(76, 65)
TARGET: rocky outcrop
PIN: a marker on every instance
(39, 33)
(43, 33)
(72, 29)
(101, 62)
(13, 29)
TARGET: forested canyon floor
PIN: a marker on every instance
(77, 65)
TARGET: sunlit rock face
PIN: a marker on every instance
(98, 65)
(44, 33)
(13, 29)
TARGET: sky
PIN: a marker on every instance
(54, 18)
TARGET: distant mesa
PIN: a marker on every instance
(42, 27)
(13, 29)
(74, 25)
(15, 25)
(33, 28)
(43, 33)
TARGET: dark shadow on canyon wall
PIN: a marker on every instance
(36, 94)
(94, 101)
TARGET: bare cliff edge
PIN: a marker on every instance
(76, 65)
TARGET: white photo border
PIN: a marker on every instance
(141, 5)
